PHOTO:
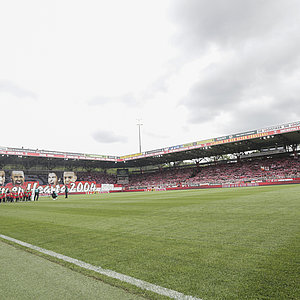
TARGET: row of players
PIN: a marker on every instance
(11, 196)
(14, 196)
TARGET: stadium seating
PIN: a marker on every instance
(98, 177)
(220, 173)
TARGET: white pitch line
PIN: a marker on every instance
(125, 278)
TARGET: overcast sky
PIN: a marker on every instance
(76, 75)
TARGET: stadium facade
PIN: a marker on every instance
(285, 137)
(275, 141)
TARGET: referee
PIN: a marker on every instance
(66, 191)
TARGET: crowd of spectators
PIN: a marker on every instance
(220, 173)
(224, 172)
(259, 170)
(161, 178)
(98, 177)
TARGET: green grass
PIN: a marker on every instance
(26, 276)
(241, 243)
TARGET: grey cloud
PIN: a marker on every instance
(159, 85)
(13, 89)
(108, 137)
(229, 22)
(99, 100)
(262, 38)
(155, 135)
(254, 118)
(245, 78)
(128, 99)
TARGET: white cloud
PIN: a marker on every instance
(108, 137)
(13, 89)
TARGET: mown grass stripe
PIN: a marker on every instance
(125, 278)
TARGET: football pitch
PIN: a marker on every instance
(238, 243)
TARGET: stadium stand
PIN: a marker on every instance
(161, 178)
(248, 171)
(220, 173)
(257, 169)
(98, 177)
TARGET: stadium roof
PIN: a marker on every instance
(276, 137)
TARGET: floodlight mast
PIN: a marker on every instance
(139, 124)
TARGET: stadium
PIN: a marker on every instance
(211, 219)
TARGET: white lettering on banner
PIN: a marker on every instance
(80, 187)
(75, 187)
(86, 187)
(72, 189)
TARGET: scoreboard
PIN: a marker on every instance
(122, 176)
